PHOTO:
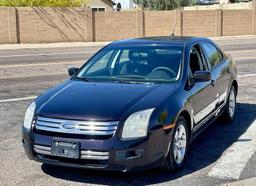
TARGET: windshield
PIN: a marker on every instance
(144, 64)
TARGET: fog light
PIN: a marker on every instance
(130, 154)
(139, 152)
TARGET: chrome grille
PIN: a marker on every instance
(94, 155)
(42, 149)
(84, 154)
(75, 126)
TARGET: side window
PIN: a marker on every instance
(221, 55)
(212, 53)
(196, 61)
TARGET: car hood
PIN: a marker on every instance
(96, 101)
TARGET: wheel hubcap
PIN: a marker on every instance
(180, 143)
(232, 103)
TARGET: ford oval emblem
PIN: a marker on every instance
(69, 125)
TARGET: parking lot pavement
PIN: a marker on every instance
(246, 182)
(223, 155)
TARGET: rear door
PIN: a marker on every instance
(219, 67)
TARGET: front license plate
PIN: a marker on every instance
(67, 149)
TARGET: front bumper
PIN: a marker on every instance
(132, 155)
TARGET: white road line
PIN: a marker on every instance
(48, 54)
(234, 159)
(244, 58)
(246, 75)
(41, 64)
(17, 99)
(240, 43)
(36, 75)
(240, 51)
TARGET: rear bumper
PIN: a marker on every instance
(132, 155)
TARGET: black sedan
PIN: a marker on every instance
(136, 104)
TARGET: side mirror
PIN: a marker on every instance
(202, 76)
(72, 71)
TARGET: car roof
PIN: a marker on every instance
(159, 40)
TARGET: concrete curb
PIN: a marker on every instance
(91, 44)
(233, 37)
(51, 45)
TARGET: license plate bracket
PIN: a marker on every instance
(65, 148)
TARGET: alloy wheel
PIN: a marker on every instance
(232, 103)
(180, 143)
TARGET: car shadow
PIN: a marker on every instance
(205, 150)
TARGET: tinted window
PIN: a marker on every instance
(212, 54)
(195, 60)
(135, 64)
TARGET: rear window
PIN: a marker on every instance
(212, 54)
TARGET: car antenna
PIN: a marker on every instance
(174, 28)
(173, 31)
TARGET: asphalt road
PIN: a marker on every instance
(222, 154)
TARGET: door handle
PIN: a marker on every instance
(213, 82)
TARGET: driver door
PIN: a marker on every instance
(203, 93)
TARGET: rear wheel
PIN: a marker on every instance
(178, 147)
(230, 108)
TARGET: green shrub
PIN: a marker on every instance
(43, 3)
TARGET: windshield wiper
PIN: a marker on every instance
(121, 81)
(131, 76)
(82, 79)
(124, 81)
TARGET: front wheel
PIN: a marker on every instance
(178, 146)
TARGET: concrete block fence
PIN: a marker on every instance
(45, 25)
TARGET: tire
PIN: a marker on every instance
(230, 107)
(174, 161)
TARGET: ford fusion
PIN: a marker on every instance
(136, 104)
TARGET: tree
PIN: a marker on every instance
(164, 4)
(183, 3)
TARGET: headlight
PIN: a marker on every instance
(136, 124)
(29, 116)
